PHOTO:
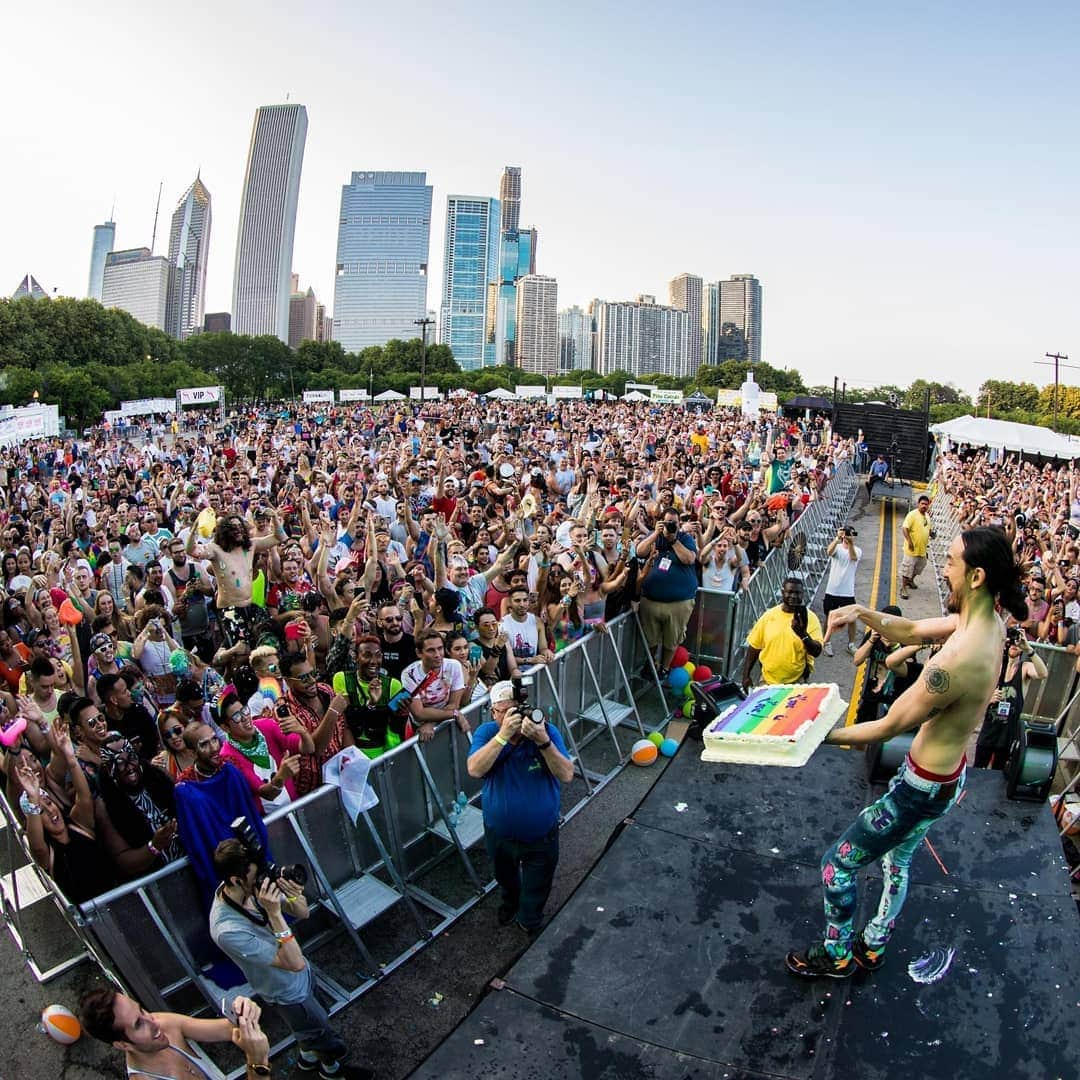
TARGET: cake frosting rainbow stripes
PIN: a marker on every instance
(774, 725)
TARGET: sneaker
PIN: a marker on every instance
(827, 650)
(308, 1064)
(913, 586)
(817, 962)
(531, 932)
(347, 1072)
(903, 594)
(505, 915)
(868, 959)
(851, 648)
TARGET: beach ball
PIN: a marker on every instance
(688, 709)
(643, 752)
(680, 656)
(206, 522)
(690, 667)
(69, 615)
(668, 747)
(60, 1024)
(655, 738)
(678, 678)
(702, 673)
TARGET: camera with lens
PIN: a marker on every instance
(256, 853)
(671, 527)
(521, 684)
(849, 531)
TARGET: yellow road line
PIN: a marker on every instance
(860, 671)
(894, 570)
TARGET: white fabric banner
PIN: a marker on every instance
(200, 395)
(348, 771)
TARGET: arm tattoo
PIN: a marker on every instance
(937, 680)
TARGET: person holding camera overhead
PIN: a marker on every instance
(247, 923)
(844, 559)
(523, 762)
(1001, 725)
(669, 588)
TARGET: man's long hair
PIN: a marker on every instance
(988, 548)
(223, 533)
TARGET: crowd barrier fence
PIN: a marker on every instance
(415, 851)
(818, 525)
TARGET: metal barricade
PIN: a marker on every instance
(818, 523)
(414, 855)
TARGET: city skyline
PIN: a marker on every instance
(872, 187)
(189, 252)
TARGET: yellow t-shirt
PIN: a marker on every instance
(783, 656)
(917, 526)
(701, 441)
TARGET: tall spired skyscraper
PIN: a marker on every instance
(510, 196)
(104, 242)
(189, 251)
(264, 239)
(517, 258)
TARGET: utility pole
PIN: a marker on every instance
(1055, 359)
(423, 323)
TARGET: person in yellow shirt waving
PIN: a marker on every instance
(916, 539)
(787, 639)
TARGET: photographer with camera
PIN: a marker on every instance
(844, 559)
(523, 762)
(669, 588)
(248, 924)
(1001, 725)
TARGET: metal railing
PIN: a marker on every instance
(415, 851)
(818, 523)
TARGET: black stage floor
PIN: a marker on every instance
(668, 960)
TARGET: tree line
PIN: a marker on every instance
(86, 359)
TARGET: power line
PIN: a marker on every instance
(1055, 360)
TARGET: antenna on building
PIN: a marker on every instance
(112, 209)
(153, 236)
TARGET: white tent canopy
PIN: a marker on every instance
(501, 395)
(389, 395)
(635, 395)
(1006, 435)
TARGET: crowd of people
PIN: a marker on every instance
(194, 625)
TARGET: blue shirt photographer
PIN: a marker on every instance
(521, 797)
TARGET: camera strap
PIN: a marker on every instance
(259, 918)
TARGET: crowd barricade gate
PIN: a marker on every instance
(818, 523)
(151, 934)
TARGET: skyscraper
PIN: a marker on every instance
(639, 336)
(575, 340)
(29, 287)
(380, 289)
(104, 242)
(710, 321)
(537, 320)
(303, 315)
(189, 252)
(138, 282)
(510, 197)
(685, 293)
(264, 239)
(517, 257)
(740, 305)
(470, 265)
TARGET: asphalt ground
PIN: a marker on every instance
(401, 1020)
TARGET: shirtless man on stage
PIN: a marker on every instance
(949, 703)
(232, 553)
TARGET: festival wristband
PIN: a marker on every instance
(153, 850)
(498, 738)
(545, 745)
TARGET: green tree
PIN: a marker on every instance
(1003, 396)
(940, 394)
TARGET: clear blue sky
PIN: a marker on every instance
(903, 182)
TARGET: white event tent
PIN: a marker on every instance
(1006, 435)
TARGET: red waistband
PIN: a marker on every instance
(936, 778)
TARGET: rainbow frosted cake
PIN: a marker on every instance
(775, 725)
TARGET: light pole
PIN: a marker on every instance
(423, 323)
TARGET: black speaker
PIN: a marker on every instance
(1032, 761)
(710, 699)
(883, 759)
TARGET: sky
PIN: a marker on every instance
(901, 179)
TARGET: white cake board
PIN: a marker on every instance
(801, 752)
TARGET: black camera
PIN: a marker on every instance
(671, 527)
(256, 853)
(849, 531)
(521, 684)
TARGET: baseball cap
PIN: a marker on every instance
(502, 691)
(100, 641)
